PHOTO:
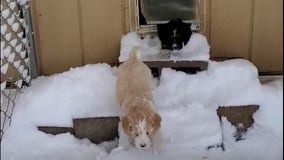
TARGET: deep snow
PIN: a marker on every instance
(197, 48)
(187, 104)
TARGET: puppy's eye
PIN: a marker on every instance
(136, 134)
(147, 133)
(130, 128)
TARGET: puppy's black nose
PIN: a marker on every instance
(143, 145)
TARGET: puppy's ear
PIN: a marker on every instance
(126, 126)
(156, 122)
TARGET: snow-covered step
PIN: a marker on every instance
(190, 67)
(239, 116)
(55, 130)
(97, 130)
(269, 78)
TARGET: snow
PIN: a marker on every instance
(11, 20)
(23, 54)
(210, 87)
(12, 5)
(8, 36)
(149, 46)
(5, 13)
(187, 104)
(3, 28)
(6, 104)
(23, 2)
(15, 26)
(13, 42)
(17, 63)
(65, 91)
(4, 68)
(197, 48)
(19, 47)
(11, 57)
(199, 135)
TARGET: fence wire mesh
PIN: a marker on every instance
(15, 56)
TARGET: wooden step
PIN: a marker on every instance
(97, 130)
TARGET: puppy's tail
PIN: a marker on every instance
(135, 54)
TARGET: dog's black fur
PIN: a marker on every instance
(174, 34)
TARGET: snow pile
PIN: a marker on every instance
(23, 2)
(82, 92)
(149, 46)
(187, 104)
(230, 82)
(30, 144)
(197, 48)
(198, 127)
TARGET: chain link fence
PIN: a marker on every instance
(17, 55)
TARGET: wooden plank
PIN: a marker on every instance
(57, 35)
(56, 130)
(190, 67)
(178, 64)
(267, 46)
(239, 116)
(97, 129)
(230, 28)
(102, 28)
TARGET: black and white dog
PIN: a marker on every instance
(174, 35)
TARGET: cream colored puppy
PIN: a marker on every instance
(134, 82)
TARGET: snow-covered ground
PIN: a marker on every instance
(187, 104)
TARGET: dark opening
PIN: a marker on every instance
(191, 70)
(142, 19)
(155, 72)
